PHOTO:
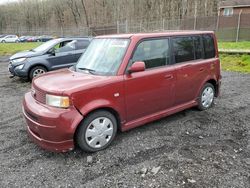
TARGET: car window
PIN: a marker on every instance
(183, 49)
(154, 53)
(198, 51)
(65, 46)
(103, 56)
(82, 44)
(209, 49)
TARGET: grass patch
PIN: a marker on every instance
(238, 63)
(245, 45)
(12, 48)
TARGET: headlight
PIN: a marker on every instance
(57, 101)
(20, 66)
(19, 60)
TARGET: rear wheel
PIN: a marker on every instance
(97, 131)
(206, 98)
(36, 71)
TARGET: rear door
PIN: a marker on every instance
(191, 67)
(152, 90)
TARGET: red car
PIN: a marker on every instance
(121, 82)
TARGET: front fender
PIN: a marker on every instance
(38, 61)
(101, 104)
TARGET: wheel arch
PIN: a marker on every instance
(105, 108)
(214, 83)
(36, 65)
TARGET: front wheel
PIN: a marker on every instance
(36, 71)
(206, 98)
(97, 131)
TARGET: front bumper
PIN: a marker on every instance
(51, 128)
(17, 72)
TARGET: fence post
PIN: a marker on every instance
(163, 24)
(117, 26)
(218, 21)
(140, 25)
(195, 22)
(195, 15)
(61, 31)
(238, 27)
(126, 26)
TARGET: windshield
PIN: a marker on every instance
(103, 56)
(46, 46)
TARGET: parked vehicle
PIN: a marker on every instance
(121, 82)
(52, 55)
(32, 39)
(9, 38)
(23, 38)
(1, 36)
(44, 38)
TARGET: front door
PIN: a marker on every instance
(152, 90)
(64, 55)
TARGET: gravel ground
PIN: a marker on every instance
(188, 149)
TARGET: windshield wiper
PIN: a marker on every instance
(86, 69)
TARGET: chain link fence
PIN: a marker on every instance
(227, 28)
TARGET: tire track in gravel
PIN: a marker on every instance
(140, 157)
(12, 119)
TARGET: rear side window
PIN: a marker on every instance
(82, 44)
(183, 49)
(154, 53)
(209, 49)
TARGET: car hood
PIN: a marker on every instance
(24, 54)
(65, 81)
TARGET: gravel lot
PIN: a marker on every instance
(188, 149)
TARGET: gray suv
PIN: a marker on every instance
(51, 55)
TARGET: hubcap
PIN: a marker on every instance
(207, 97)
(38, 72)
(99, 132)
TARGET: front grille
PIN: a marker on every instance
(39, 95)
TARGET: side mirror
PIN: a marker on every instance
(137, 66)
(52, 51)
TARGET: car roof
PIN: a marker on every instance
(74, 38)
(156, 34)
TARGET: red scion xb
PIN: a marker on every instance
(122, 82)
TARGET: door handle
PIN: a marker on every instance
(168, 76)
(201, 69)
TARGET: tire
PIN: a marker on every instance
(3, 41)
(206, 97)
(36, 71)
(90, 137)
